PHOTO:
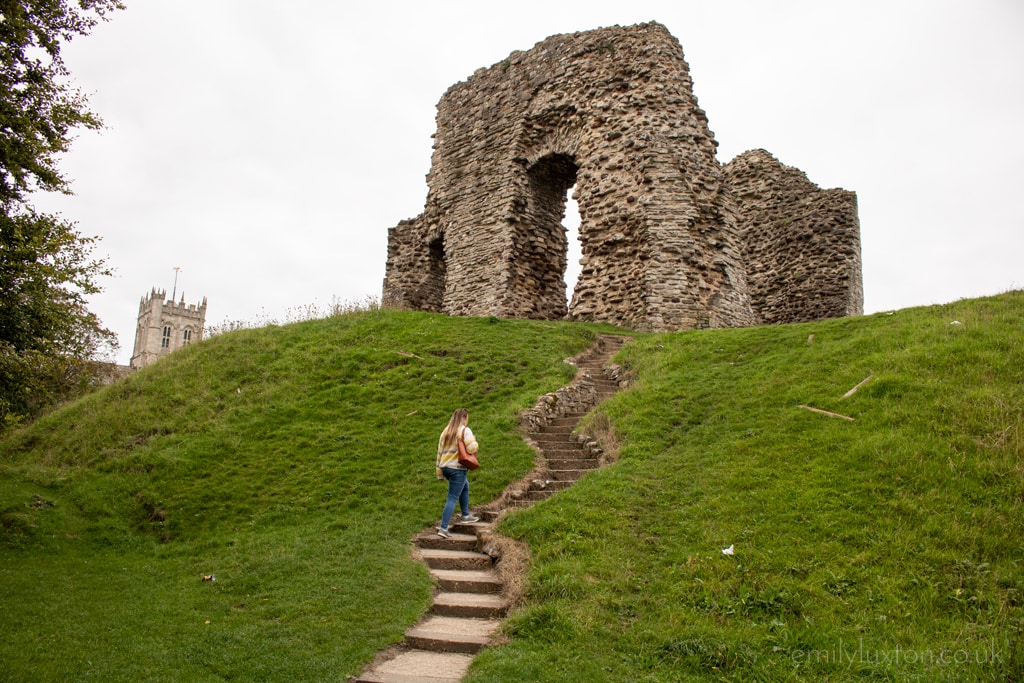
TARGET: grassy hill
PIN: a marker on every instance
(295, 462)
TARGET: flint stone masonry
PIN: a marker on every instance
(664, 246)
(801, 244)
(580, 396)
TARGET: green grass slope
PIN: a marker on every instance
(293, 463)
(296, 462)
(888, 547)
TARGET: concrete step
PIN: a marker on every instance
(563, 430)
(562, 464)
(552, 485)
(567, 416)
(467, 580)
(542, 438)
(562, 451)
(451, 634)
(419, 666)
(453, 559)
(471, 529)
(469, 605)
(567, 478)
(458, 541)
(556, 453)
(577, 453)
(564, 454)
(537, 496)
(560, 447)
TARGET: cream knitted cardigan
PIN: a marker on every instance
(449, 457)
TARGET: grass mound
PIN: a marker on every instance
(291, 463)
(883, 547)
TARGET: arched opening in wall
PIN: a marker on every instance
(436, 275)
(573, 249)
(540, 264)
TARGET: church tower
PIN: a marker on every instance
(165, 326)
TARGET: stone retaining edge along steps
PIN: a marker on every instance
(468, 606)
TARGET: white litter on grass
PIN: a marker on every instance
(956, 322)
(729, 551)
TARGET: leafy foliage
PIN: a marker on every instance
(46, 265)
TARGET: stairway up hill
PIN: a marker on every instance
(472, 594)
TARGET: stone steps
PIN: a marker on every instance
(562, 452)
(458, 541)
(419, 666)
(552, 430)
(570, 464)
(555, 484)
(568, 476)
(453, 559)
(549, 438)
(466, 610)
(467, 580)
(471, 605)
(451, 634)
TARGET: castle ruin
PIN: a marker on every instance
(670, 238)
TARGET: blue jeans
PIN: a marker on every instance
(458, 492)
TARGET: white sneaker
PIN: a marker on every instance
(470, 519)
(444, 533)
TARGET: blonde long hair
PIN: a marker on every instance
(451, 433)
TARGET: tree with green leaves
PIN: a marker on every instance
(49, 340)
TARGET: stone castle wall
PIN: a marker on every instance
(612, 113)
(801, 243)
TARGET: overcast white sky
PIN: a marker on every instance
(266, 147)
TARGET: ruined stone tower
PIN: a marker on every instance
(165, 326)
(612, 113)
(801, 244)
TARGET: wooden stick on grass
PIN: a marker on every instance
(851, 392)
(825, 412)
